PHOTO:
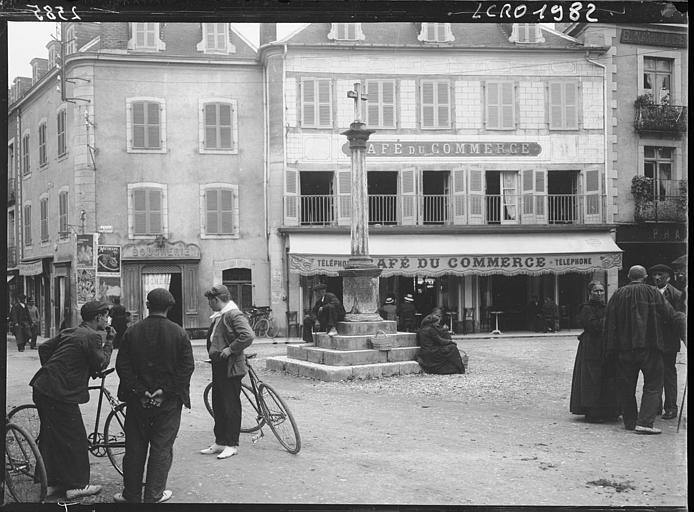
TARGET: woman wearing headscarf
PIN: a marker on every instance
(438, 353)
(593, 391)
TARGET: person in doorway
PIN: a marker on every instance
(550, 315)
(634, 321)
(229, 334)
(120, 319)
(60, 385)
(154, 364)
(35, 322)
(593, 390)
(661, 275)
(407, 319)
(328, 310)
(438, 353)
(533, 315)
(20, 322)
(389, 311)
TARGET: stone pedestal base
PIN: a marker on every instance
(360, 294)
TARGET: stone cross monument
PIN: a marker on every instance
(360, 275)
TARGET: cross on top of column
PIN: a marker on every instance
(358, 97)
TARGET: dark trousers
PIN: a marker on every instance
(650, 363)
(62, 442)
(22, 334)
(226, 404)
(328, 317)
(34, 335)
(154, 429)
(670, 380)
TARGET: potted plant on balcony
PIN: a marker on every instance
(663, 116)
(642, 190)
(649, 208)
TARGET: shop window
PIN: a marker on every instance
(220, 211)
(60, 122)
(146, 125)
(145, 37)
(218, 126)
(43, 159)
(316, 103)
(380, 109)
(346, 32)
(500, 106)
(26, 155)
(147, 210)
(435, 33)
(27, 224)
(435, 103)
(658, 165)
(563, 106)
(657, 77)
(215, 39)
(63, 214)
(240, 285)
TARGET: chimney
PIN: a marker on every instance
(39, 68)
(268, 33)
(21, 84)
(114, 35)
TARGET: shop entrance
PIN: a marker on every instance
(509, 295)
(169, 278)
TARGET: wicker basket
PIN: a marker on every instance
(382, 342)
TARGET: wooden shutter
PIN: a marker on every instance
(344, 197)
(308, 103)
(528, 195)
(155, 210)
(210, 113)
(225, 121)
(428, 106)
(571, 106)
(508, 105)
(212, 212)
(443, 102)
(139, 201)
(388, 103)
(291, 197)
(324, 103)
(476, 195)
(138, 116)
(493, 107)
(190, 295)
(408, 190)
(541, 196)
(131, 283)
(459, 196)
(153, 125)
(44, 219)
(226, 209)
(592, 197)
(556, 118)
(373, 105)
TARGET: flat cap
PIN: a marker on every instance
(95, 306)
(216, 290)
(160, 297)
(660, 267)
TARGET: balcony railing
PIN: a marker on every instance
(11, 192)
(431, 209)
(667, 202)
(11, 256)
(661, 118)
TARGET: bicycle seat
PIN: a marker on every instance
(104, 373)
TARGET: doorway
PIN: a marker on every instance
(435, 197)
(240, 284)
(316, 197)
(382, 189)
(562, 187)
(168, 277)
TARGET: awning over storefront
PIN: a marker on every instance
(460, 254)
(31, 268)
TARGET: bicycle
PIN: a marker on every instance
(261, 321)
(25, 473)
(111, 442)
(261, 405)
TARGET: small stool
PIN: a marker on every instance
(496, 314)
(293, 322)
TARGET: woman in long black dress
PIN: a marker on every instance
(438, 353)
(593, 391)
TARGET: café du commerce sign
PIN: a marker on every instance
(404, 148)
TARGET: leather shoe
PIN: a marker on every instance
(229, 451)
(213, 448)
(647, 430)
(670, 414)
(629, 425)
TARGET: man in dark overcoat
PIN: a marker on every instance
(635, 318)
(661, 275)
(20, 322)
(328, 309)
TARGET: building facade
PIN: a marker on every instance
(140, 164)
(486, 172)
(647, 72)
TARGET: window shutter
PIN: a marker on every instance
(593, 210)
(153, 121)
(540, 196)
(443, 102)
(571, 105)
(555, 106)
(388, 101)
(372, 91)
(209, 35)
(139, 211)
(476, 195)
(492, 105)
(459, 196)
(507, 105)
(138, 116)
(291, 197)
(210, 126)
(427, 104)
(308, 95)
(151, 27)
(344, 197)
(324, 103)
(211, 207)
(408, 190)
(226, 209)
(225, 126)
(528, 189)
(155, 211)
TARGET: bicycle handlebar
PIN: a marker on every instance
(103, 373)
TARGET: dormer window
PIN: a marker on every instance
(215, 39)
(52, 57)
(70, 42)
(346, 32)
(526, 33)
(145, 37)
(436, 33)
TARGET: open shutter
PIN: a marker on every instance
(291, 197)
(541, 196)
(593, 203)
(131, 283)
(459, 211)
(408, 190)
(344, 197)
(388, 103)
(528, 202)
(476, 195)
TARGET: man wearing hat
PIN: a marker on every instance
(328, 309)
(20, 322)
(154, 364)
(661, 275)
(60, 385)
(229, 334)
(406, 314)
(389, 311)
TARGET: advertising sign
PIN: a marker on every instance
(85, 251)
(108, 260)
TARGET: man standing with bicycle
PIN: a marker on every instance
(60, 385)
(154, 364)
(228, 336)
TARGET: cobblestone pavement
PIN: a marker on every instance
(499, 435)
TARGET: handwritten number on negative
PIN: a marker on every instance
(53, 13)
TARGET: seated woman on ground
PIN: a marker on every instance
(438, 353)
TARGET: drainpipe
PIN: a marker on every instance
(19, 229)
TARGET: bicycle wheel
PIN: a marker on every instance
(251, 419)
(27, 417)
(280, 419)
(261, 328)
(114, 437)
(272, 330)
(25, 473)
